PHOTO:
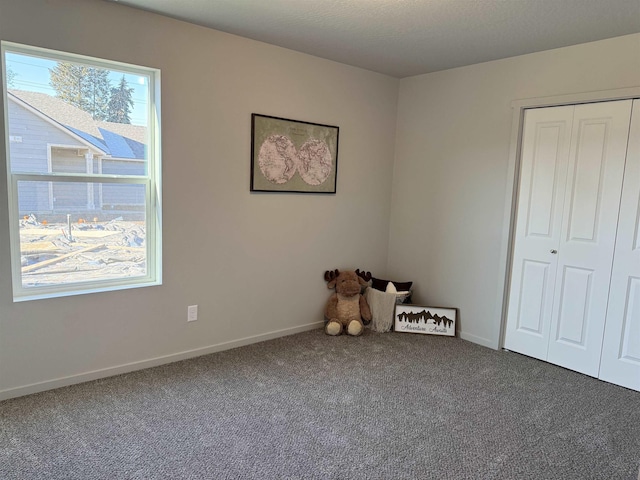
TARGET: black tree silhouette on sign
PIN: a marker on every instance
(425, 316)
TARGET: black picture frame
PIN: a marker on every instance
(293, 156)
(425, 319)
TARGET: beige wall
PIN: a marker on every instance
(452, 163)
(252, 262)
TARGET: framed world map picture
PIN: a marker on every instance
(293, 156)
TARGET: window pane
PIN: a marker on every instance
(107, 240)
(68, 116)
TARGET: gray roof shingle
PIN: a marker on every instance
(117, 139)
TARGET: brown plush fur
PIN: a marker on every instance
(346, 310)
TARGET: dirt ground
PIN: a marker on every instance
(93, 250)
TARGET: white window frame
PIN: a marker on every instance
(152, 181)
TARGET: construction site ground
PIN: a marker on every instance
(53, 255)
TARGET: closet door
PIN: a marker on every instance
(620, 362)
(589, 224)
(543, 172)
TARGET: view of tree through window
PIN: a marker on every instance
(82, 171)
(120, 103)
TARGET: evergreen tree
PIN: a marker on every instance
(11, 76)
(85, 87)
(121, 103)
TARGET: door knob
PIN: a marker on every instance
(554, 251)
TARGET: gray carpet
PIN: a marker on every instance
(309, 406)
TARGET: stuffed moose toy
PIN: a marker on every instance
(346, 310)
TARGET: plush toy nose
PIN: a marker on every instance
(352, 288)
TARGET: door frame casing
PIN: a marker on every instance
(513, 181)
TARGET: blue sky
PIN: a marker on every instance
(32, 74)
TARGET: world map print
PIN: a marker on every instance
(279, 160)
(293, 156)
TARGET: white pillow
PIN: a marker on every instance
(391, 288)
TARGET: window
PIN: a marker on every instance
(83, 172)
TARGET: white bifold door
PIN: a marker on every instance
(621, 346)
(572, 173)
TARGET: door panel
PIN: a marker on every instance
(636, 243)
(620, 363)
(533, 286)
(575, 292)
(589, 224)
(542, 193)
(588, 172)
(543, 173)
(630, 348)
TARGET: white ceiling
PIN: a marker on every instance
(409, 37)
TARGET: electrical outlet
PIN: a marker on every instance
(192, 313)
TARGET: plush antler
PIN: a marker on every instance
(366, 276)
(330, 275)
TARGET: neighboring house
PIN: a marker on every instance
(47, 134)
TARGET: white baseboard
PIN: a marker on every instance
(152, 362)
(485, 342)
